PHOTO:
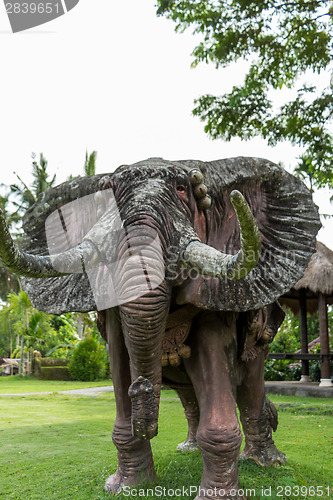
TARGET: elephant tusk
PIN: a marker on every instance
(71, 261)
(207, 260)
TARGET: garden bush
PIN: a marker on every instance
(89, 360)
(282, 369)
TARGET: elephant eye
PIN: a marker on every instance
(181, 189)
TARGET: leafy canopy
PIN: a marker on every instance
(282, 40)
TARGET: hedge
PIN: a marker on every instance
(54, 373)
(51, 368)
(53, 362)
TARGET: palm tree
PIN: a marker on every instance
(90, 163)
(16, 314)
(28, 196)
(27, 322)
(41, 180)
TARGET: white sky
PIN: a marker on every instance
(111, 76)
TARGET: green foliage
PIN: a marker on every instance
(64, 336)
(281, 369)
(89, 167)
(25, 196)
(19, 319)
(90, 163)
(48, 334)
(288, 340)
(282, 41)
(88, 360)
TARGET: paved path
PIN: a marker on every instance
(292, 388)
(92, 391)
(286, 388)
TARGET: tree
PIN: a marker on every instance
(288, 339)
(282, 40)
(89, 167)
(26, 196)
(90, 163)
(19, 318)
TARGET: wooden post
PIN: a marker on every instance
(304, 335)
(324, 342)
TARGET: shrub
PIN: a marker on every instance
(282, 369)
(88, 360)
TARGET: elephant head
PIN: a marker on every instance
(152, 226)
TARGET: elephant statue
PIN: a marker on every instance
(258, 415)
(177, 257)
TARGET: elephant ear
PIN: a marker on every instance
(288, 222)
(57, 210)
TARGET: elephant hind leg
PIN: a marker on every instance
(190, 404)
(258, 415)
(259, 444)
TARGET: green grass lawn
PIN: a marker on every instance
(18, 385)
(60, 447)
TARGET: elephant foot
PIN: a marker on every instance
(268, 456)
(188, 445)
(116, 483)
(144, 409)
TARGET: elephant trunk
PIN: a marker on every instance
(144, 334)
(143, 321)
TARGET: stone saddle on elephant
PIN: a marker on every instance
(177, 276)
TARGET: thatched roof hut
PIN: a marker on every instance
(312, 293)
(318, 278)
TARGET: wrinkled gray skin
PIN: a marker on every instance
(168, 199)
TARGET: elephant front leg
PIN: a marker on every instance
(212, 369)
(135, 460)
(258, 415)
(190, 404)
